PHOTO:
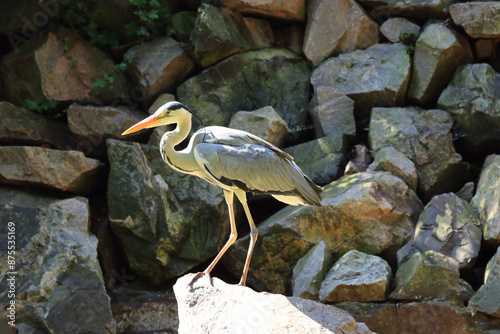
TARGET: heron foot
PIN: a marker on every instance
(198, 275)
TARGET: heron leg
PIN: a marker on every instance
(242, 196)
(228, 195)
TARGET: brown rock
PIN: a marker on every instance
(294, 10)
(43, 167)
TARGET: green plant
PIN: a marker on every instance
(45, 107)
(410, 40)
(154, 18)
(107, 81)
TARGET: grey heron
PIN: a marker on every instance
(234, 160)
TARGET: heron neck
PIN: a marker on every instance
(180, 160)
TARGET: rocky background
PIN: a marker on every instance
(393, 107)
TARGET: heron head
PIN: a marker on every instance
(169, 113)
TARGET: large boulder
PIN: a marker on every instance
(438, 52)
(354, 74)
(448, 225)
(216, 307)
(424, 137)
(335, 27)
(49, 168)
(417, 9)
(391, 160)
(294, 10)
(373, 212)
(167, 222)
(248, 81)
(63, 67)
(480, 19)
(473, 99)
(487, 199)
(56, 276)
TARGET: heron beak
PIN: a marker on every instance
(149, 122)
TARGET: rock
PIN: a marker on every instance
(353, 74)
(467, 191)
(485, 48)
(49, 168)
(248, 81)
(62, 67)
(217, 307)
(321, 159)
(438, 52)
(373, 212)
(167, 222)
(431, 276)
(183, 24)
(59, 284)
(424, 137)
(487, 199)
(486, 298)
(395, 27)
(94, 124)
(361, 159)
(414, 9)
(473, 99)
(422, 317)
(357, 276)
(158, 66)
(294, 10)
(391, 160)
(310, 271)
(264, 122)
(480, 19)
(448, 225)
(22, 127)
(332, 113)
(218, 34)
(261, 32)
(335, 27)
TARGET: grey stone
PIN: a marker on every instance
(487, 199)
(466, 192)
(264, 122)
(183, 24)
(473, 99)
(357, 276)
(395, 27)
(424, 137)
(391, 160)
(354, 74)
(49, 168)
(332, 113)
(448, 225)
(438, 52)
(310, 271)
(431, 275)
(294, 10)
(58, 281)
(415, 9)
(335, 27)
(217, 307)
(480, 19)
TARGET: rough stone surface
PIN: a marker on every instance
(357, 276)
(386, 211)
(216, 307)
(264, 122)
(438, 52)
(38, 68)
(391, 160)
(332, 113)
(395, 27)
(49, 168)
(310, 271)
(448, 225)
(261, 32)
(473, 99)
(218, 34)
(486, 298)
(480, 19)
(167, 222)
(467, 191)
(321, 159)
(424, 137)
(158, 66)
(23, 127)
(487, 199)
(59, 284)
(249, 81)
(294, 10)
(335, 27)
(413, 279)
(93, 125)
(353, 74)
(360, 160)
(417, 9)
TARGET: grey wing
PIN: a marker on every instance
(257, 169)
